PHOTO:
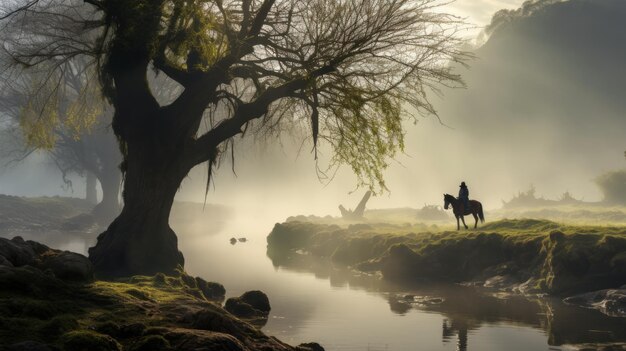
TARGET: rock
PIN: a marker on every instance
(398, 305)
(210, 290)
(27, 279)
(29, 346)
(503, 282)
(151, 343)
(188, 280)
(38, 248)
(108, 328)
(132, 330)
(216, 320)
(18, 240)
(257, 299)
(69, 266)
(59, 325)
(79, 340)
(62, 264)
(611, 302)
(242, 240)
(17, 251)
(252, 306)
(5, 262)
(310, 346)
(233, 241)
(241, 309)
(201, 340)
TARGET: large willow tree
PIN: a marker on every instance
(343, 69)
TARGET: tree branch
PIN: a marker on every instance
(19, 9)
(205, 145)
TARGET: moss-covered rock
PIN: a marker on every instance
(240, 308)
(251, 306)
(257, 299)
(67, 265)
(29, 345)
(210, 290)
(108, 328)
(139, 313)
(86, 340)
(193, 340)
(151, 343)
(310, 346)
(17, 251)
(58, 325)
(64, 265)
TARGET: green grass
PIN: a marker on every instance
(551, 257)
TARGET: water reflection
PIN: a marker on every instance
(466, 309)
(67, 241)
(458, 328)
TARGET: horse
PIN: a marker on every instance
(476, 209)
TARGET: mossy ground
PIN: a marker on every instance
(139, 313)
(548, 256)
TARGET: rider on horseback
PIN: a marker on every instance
(464, 196)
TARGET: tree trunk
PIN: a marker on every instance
(140, 240)
(91, 193)
(109, 207)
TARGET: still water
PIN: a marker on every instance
(314, 301)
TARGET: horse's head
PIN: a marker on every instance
(447, 200)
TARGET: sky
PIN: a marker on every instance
(482, 143)
(479, 12)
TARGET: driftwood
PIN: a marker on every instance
(358, 211)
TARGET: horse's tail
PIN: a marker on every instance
(480, 214)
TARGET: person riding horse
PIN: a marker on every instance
(464, 197)
(463, 206)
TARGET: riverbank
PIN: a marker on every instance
(49, 300)
(525, 256)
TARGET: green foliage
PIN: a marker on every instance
(365, 135)
(191, 28)
(53, 106)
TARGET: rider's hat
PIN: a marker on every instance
(463, 185)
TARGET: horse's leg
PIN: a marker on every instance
(463, 219)
(476, 219)
(458, 226)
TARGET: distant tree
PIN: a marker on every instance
(66, 117)
(613, 187)
(341, 68)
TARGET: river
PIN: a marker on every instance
(341, 310)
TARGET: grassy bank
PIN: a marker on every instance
(530, 255)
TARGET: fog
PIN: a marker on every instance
(542, 107)
(37, 176)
